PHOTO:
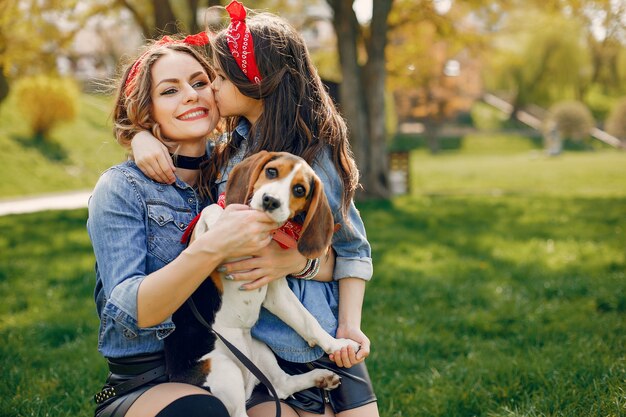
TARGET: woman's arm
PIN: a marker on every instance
(239, 231)
(153, 158)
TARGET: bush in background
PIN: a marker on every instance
(572, 119)
(46, 101)
(616, 122)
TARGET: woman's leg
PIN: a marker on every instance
(268, 409)
(159, 397)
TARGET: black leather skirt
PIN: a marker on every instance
(122, 370)
(355, 389)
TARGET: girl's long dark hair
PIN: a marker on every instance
(298, 115)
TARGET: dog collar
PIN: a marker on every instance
(286, 235)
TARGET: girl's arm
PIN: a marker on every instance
(353, 264)
(153, 158)
(273, 262)
(351, 294)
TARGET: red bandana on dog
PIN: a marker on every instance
(199, 39)
(286, 236)
(240, 42)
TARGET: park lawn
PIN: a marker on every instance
(499, 290)
(73, 158)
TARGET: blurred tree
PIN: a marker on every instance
(45, 102)
(362, 93)
(551, 50)
(572, 119)
(160, 17)
(538, 57)
(604, 23)
(32, 32)
(424, 41)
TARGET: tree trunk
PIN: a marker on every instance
(350, 92)
(139, 19)
(375, 77)
(362, 92)
(193, 20)
(4, 85)
(164, 19)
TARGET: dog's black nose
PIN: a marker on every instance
(270, 203)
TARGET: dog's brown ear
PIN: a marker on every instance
(241, 180)
(318, 227)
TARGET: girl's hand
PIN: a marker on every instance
(153, 158)
(266, 265)
(347, 357)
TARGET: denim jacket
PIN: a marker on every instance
(135, 226)
(320, 298)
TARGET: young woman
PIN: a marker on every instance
(272, 98)
(143, 271)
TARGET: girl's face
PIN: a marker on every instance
(182, 99)
(231, 102)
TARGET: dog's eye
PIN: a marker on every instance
(271, 173)
(298, 191)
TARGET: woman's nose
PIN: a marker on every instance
(190, 93)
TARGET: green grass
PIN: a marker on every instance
(499, 290)
(73, 158)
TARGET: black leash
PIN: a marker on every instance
(239, 355)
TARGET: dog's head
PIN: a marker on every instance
(283, 185)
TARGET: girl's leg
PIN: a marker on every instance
(328, 412)
(158, 398)
(268, 409)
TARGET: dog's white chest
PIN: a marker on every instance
(239, 308)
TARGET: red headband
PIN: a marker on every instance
(240, 42)
(198, 39)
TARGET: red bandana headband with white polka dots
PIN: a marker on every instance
(240, 42)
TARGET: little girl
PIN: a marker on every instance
(272, 98)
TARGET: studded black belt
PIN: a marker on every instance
(134, 372)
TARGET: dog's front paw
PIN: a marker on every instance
(326, 379)
(338, 344)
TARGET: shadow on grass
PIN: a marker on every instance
(48, 148)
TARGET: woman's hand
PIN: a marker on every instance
(269, 263)
(153, 158)
(238, 231)
(347, 357)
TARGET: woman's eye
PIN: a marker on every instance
(271, 173)
(168, 91)
(299, 191)
(200, 84)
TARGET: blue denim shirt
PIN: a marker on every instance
(135, 226)
(320, 298)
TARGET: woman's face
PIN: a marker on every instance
(231, 102)
(182, 99)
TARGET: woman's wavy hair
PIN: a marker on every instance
(133, 109)
(298, 115)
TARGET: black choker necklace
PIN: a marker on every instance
(188, 162)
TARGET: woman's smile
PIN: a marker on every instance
(194, 114)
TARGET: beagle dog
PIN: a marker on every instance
(282, 185)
